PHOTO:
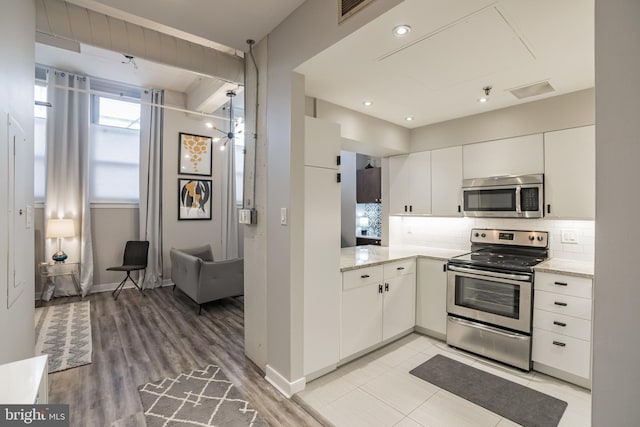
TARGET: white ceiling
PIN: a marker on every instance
(436, 73)
(455, 49)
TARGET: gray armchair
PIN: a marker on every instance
(196, 274)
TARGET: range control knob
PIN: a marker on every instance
(532, 238)
(477, 235)
(483, 235)
(539, 238)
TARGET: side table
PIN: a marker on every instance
(49, 271)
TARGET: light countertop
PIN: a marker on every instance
(566, 266)
(369, 255)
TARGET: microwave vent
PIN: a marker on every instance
(532, 90)
(350, 7)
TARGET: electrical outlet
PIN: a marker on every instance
(569, 236)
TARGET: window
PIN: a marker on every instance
(39, 143)
(115, 150)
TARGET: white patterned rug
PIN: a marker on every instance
(64, 333)
(203, 397)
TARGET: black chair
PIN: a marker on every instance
(135, 259)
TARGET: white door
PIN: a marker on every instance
(431, 302)
(420, 182)
(20, 198)
(398, 313)
(361, 319)
(570, 173)
(446, 181)
(399, 184)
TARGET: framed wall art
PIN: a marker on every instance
(194, 157)
(194, 199)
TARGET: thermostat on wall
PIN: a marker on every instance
(248, 216)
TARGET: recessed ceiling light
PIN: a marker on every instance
(408, 118)
(367, 103)
(216, 139)
(483, 100)
(401, 30)
(209, 125)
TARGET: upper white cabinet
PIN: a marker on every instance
(521, 155)
(446, 181)
(322, 279)
(570, 173)
(321, 143)
(410, 183)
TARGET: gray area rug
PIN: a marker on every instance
(202, 397)
(64, 333)
(516, 402)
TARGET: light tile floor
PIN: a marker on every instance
(378, 390)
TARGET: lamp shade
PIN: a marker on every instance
(60, 228)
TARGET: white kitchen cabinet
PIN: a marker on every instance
(431, 298)
(570, 173)
(521, 155)
(562, 327)
(410, 184)
(322, 280)
(378, 303)
(399, 298)
(446, 181)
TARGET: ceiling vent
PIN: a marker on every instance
(532, 90)
(350, 7)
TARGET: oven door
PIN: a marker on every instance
(500, 299)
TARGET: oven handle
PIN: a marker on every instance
(520, 277)
(488, 328)
(518, 208)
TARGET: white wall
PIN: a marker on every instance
(616, 341)
(559, 112)
(185, 234)
(17, 50)
(308, 30)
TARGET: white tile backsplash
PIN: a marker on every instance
(454, 233)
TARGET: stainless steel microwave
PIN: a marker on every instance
(520, 196)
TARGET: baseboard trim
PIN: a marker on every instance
(284, 386)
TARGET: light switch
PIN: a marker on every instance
(283, 216)
(569, 236)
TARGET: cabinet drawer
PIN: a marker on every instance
(562, 284)
(563, 304)
(561, 324)
(361, 277)
(567, 354)
(399, 268)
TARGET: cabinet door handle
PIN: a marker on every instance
(561, 304)
(364, 276)
(386, 287)
(379, 289)
(410, 208)
(444, 267)
(559, 344)
(560, 283)
(400, 268)
(405, 208)
(459, 209)
(548, 209)
(555, 322)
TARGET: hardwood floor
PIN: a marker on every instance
(140, 339)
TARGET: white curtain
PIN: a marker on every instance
(151, 124)
(229, 208)
(67, 186)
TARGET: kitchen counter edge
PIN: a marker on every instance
(565, 266)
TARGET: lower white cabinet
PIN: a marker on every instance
(562, 325)
(431, 299)
(377, 303)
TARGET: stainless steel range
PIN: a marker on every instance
(490, 294)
